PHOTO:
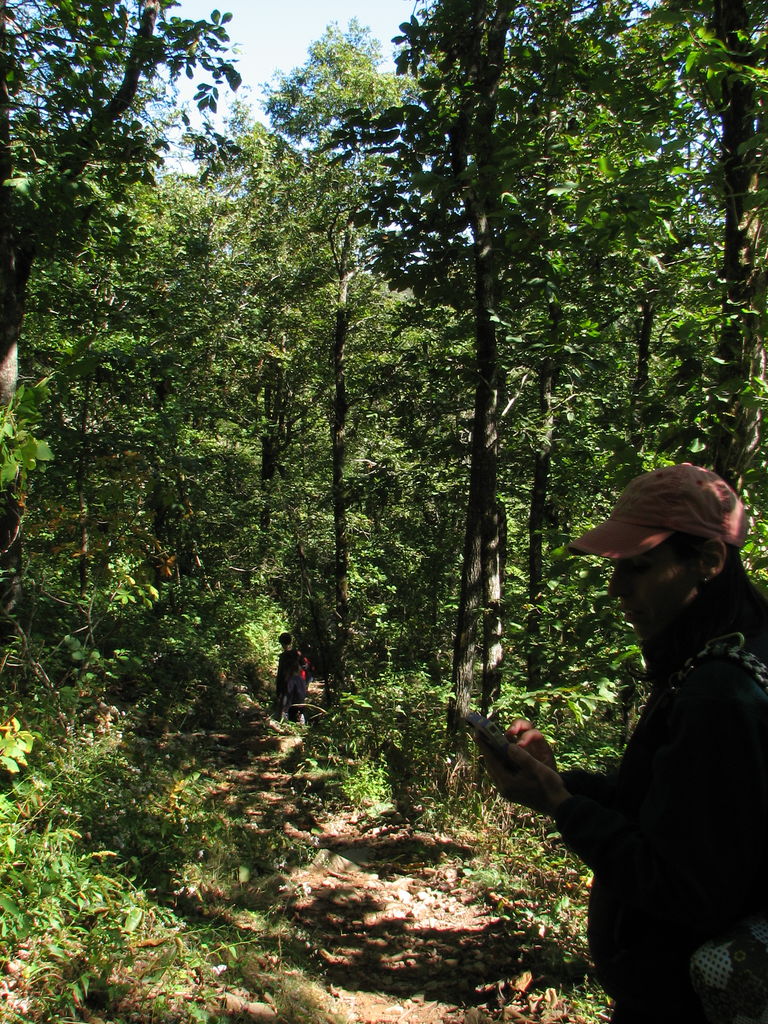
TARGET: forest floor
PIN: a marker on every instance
(393, 924)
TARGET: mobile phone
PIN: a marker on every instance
(488, 730)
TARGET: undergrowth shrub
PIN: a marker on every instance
(100, 838)
(66, 915)
(385, 740)
(583, 723)
(367, 784)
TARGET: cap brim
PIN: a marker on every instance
(613, 539)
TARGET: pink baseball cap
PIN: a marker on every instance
(653, 506)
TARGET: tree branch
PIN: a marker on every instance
(136, 64)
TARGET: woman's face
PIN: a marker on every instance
(652, 589)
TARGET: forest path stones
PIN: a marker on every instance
(396, 929)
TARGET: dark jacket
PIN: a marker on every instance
(285, 665)
(677, 839)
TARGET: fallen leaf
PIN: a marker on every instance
(260, 1013)
(522, 982)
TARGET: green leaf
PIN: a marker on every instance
(605, 166)
(21, 184)
(10, 907)
(9, 470)
(133, 919)
(44, 453)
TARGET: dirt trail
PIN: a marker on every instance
(400, 934)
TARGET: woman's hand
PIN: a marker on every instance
(526, 735)
(526, 772)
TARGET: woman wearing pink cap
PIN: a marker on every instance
(677, 838)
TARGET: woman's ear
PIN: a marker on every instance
(712, 555)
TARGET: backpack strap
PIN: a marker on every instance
(730, 648)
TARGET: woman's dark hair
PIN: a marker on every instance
(728, 603)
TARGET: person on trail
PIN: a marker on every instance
(281, 677)
(296, 688)
(291, 682)
(677, 838)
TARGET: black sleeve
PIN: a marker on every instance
(280, 674)
(598, 786)
(696, 850)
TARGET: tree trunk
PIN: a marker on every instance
(81, 477)
(646, 312)
(16, 257)
(493, 564)
(321, 653)
(741, 346)
(273, 436)
(537, 518)
(338, 679)
(15, 265)
(481, 587)
(470, 595)
(481, 582)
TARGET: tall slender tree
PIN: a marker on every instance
(444, 142)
